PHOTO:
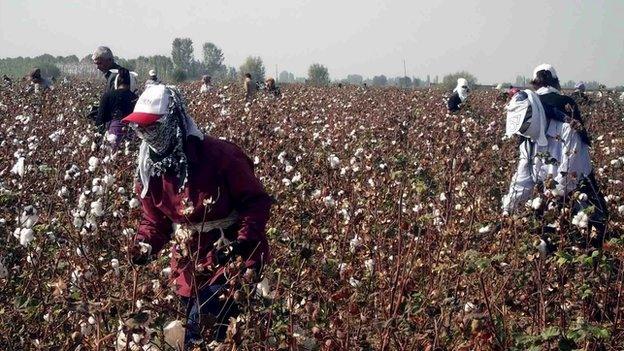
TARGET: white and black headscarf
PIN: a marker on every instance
(162, 146)
(462, 89)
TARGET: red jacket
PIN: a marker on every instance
(217, 169)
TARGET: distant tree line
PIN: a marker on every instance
(182, 65)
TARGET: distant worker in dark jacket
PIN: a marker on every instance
(153, 79)
(115, 105)
(272, 88)
(37, 82)
(579, 95)
(250, 87)
(460, 94)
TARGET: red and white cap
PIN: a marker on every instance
(151, 106)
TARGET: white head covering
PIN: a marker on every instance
(517, 115)
(545, 67)
(462, 88)
(152, 73)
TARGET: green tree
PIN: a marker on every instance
(178, 76)
(255, 67)
(213, 58)
(380, 81)
(450, 80)
(404, 82)
(355, 79)
(318, 75)
(182, 53)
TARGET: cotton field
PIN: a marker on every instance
(386, 233)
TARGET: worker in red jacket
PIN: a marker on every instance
(200, 192)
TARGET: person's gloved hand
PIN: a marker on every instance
(139, 253)
(233, 249)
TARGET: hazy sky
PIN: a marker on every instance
(496, 40)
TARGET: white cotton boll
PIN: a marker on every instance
(329, 201)
(371, 182)
(358, 152)
(114, 264)
(97, 190)
(78, 222)
(469, 307)
(370, 265)
(264, 289)
(93, 163)
(442, 197)
(286, 181)
(580, 220)
(62, 192)
(18, 168)
(354, 243)
(334, 162)
(485, 230)
(133, 203)
(121, 190)
(166, 272)
(29, 217)
(111, 138)
(621, 209)
(256, 160)
(582, 197)
(296, 178)
(81, 251)
(495, 147)
(109, 179)
(47, 317)
(91, 320)
(281, 157)
(174, 333)
(354, 282)
(96, 208)
(288, 168)
(82, 201)
(316, 194)
(536, 203)
(139, 303)
(145, 248)
(26, 236)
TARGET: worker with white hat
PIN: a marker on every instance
(153, 79)
(553, 159)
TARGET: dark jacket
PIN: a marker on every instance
(110, 78)
(560, 102)
(219, 170)
(115, 105)
(453, 102)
